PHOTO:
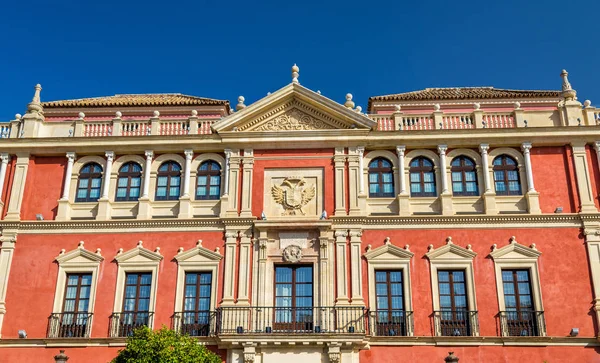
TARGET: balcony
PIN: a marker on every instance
(289, 320)
(123, 324)
(388, 323)
(524, 323)
(69, 325)
(196, 324)
(457, 323)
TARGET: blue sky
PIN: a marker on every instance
(224, 49)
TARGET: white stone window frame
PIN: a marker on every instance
(453, 257)
(476, 157)
(77, 166)
(435, 159)
(194, 174)
(114, 176)
(389, 156)
(518, 156)
(197, 259)
(390, 258)
(137, 260)
(517, 256)
(156, 163)
(77, 261)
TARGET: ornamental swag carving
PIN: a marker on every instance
(294, 120)
(292, 254)
(293, 194)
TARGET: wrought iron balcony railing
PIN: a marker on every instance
(291, 320)
(522, 323)
(391, 322)
(123, 324)
(69, 325)
(456, 323)
(196, 324)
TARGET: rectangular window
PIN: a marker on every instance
(453, 317)
(521, 317)
(293, 298)
(136, 302)
(196, 304)
(390, 317)
(73, 322)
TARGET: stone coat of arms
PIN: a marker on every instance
(293, 194)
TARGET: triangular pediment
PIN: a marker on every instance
(198, 255)
(139, 254)
(388, 252)
(294, 108)
(79, 256)
(515, 250)
(450, 252)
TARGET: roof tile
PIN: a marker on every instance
(134, 100)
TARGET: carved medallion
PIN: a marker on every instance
(293, 194)
(294, 120)
(292, 254)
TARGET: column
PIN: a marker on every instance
(185, 201)
(244, 269)
(4, 159)
(356, 267)
(403, 195)
(339, 160)
(582, 174)
(229, 268)
(248, 162)
(341, 269)
(68, 175)
(144, 206)
(445, 196)
(7, 248)
(489, 196)
(226, 176)
(18, 187)
(533, 197)
(110, 155)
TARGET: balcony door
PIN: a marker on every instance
(521, 317)
(196, 304)
(453, 314)
(293, 298)
(390, 317)
(74, 319)
(136, 303)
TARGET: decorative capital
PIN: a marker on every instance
(356, 233)
(360, 150)
(189, 154)
(4, 158)
(442, 149)
(295, 73)
(334, 357)
(149, 154)
(400, 150)
(227, 153)
(71, 157)
(483, 148)
(110, 156)
(526, 146)
(340, 234)
(597, 146)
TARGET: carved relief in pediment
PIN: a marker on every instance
(293, 120)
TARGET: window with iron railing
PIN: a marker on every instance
(75, 319)
(136, 305)
(520, 317)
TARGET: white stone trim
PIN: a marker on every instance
(124, 159)
(390, 257)
(389, 156)
(13, 211)
(517, 256)
(453, 257)
(78, 260)
(156, 163)
(197, 259)
(435, 159)
(480, 170)
(520, 166)
(138, 259)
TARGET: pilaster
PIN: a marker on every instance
(325, 243)
(582, 175)
(229, 268)
(18, 187)
(4, 159)
(341, 267)
(356, 267)
(233, 180)
(592, 241)
(7, 247)
(244, 268)
(339, 160)
(262, 268)
(248, 162)
(354, 177)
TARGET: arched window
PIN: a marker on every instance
(168, 181)
(89, 183)
(506, 176)
(464, 177)
(381, 178)
(128, 184)
(422, 178)
(208, 184)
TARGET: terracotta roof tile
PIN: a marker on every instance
(133, 100)
(464, 93)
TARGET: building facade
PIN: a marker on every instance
(298, 228)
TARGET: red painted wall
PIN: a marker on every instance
(43, 187)
(33, 276)
(8, 182)
(594, 169)
(564, 274)
(554, 179)
(487, 354)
